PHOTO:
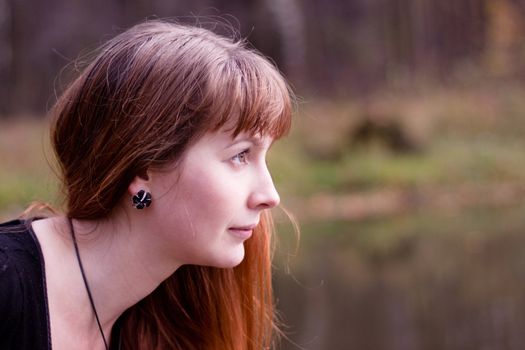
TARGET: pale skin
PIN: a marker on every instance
(202, 212)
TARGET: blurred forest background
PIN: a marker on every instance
(405, 168)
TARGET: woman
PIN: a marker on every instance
(164, 242)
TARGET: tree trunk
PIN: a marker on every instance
(290, 25)
(6, 53)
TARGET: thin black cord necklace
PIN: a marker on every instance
(86, 282)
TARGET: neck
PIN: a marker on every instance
(121, 262)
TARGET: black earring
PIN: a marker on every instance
(142, 199)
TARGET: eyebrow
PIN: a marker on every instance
(257, 141)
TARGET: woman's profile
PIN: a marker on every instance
(164, 240)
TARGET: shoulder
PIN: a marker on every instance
(19, 265)
(10, 271)
(17, 245)
(17, 251)
(10, 248)
(10, 278)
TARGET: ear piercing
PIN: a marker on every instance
(142, 199)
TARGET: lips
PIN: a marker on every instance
(243, 232)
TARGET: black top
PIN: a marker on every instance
(24, 318)
(24, 312)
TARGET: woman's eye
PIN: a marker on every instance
(241, 158)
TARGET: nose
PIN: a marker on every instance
(264, 194)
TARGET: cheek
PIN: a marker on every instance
(203, 190)
(207, 196)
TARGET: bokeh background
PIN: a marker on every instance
(405, 168)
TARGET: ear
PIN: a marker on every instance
(141, 181)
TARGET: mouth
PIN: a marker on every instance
(243, 232)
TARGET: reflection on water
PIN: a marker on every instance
(428, 281)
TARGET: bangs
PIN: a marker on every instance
(252, 91)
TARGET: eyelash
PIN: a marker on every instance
(237, 158)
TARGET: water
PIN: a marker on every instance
(442, 281)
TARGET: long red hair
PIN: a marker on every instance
(150, 93)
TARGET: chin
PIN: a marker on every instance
(231, 260)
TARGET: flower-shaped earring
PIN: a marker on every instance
(142, 199)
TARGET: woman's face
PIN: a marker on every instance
(210, 204)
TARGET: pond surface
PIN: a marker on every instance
(431, 281)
